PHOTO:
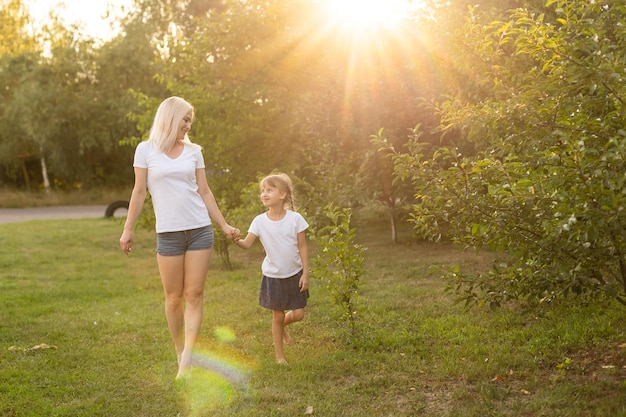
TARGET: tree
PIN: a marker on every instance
(18, 55)
(124, 66)
(543, 181)
(65, 111)
(13, 152)
(275, 88)
(16, 34)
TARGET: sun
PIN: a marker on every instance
(362, 15)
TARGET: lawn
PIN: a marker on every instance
(82, 333)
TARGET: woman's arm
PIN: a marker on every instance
(211, 205)
(137, 198)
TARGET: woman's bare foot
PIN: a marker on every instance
(184, 366)
(183, 374)
(281, 361)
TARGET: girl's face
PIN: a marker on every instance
(184, 126)
(272, 196)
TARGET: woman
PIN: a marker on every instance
(172, 169)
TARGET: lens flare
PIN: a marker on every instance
(220, 374)
(224, 334)
(229, 368)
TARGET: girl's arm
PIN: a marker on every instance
(304, 255)
(247, 242)
(137, 198)
(211, 205)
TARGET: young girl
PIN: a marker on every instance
(285, 269)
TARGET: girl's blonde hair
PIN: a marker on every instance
(166, 122)
(282, 183)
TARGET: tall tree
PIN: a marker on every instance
(274, 85)
(16, 32)
(19, 53)
(65, 111)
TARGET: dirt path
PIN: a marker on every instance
(50, 213)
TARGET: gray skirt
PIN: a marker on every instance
(282, 293)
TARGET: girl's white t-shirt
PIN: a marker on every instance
(280, 241)
(173, 187)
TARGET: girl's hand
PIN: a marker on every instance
(303, 283)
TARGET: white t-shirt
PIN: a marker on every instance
(280, 241)
(173, 187)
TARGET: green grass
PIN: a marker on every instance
(66, 284)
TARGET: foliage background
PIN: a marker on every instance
(500, 123)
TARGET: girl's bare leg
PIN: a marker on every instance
(278, 319)
(291, 317)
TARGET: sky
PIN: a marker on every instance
(89, 12)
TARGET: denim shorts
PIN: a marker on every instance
(177, 243)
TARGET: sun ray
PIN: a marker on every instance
(363, 54)
(365, 15)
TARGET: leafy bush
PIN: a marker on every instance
(339, 262)
(544, 184)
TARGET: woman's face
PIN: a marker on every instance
(184, 126)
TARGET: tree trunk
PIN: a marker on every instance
(44, 170)
(392, 218)
(25, 173)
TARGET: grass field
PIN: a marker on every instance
(82, 333)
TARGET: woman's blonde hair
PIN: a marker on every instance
(166, 122)
(282, 183)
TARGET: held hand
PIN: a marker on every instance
(126, 242)
(232, 232)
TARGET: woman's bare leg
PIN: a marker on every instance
(184, 277)
(196, 269)
(171, 271)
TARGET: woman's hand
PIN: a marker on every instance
(126, 242)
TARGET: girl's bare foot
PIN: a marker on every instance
(286, 337)
(281, 361)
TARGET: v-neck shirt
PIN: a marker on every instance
(173, 187)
